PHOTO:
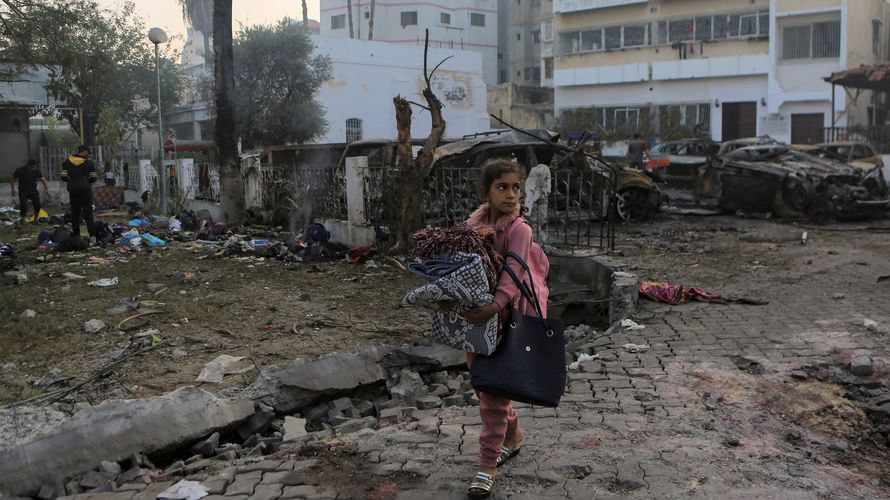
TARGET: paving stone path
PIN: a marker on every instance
(710, 410)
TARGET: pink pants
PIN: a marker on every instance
(499, 420)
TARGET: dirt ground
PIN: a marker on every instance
(207, 305)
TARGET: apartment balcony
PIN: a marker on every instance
(547, 48)
(567, 6)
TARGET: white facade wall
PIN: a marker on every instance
(458, 34)
(368, 75)
(781, 88)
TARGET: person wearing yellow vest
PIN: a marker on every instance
(79, 172)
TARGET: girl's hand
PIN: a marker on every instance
(481, 315)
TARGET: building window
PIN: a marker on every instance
(696, 117)
(409, 18)
(613, 37)
(876, 37)
(548, 69)
(536, 36)
(713, 27)
(518, 36)
(477, 19)
(353, 129)
(367, 15)
(548, 30)
(532, 73)
(820, 40)
(338, 22)
(445, 18)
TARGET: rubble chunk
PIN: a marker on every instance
(861, 366)
(356, 425)
(294, 428)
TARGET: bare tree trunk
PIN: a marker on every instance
(413, 172)
(371, 21)
(231, 183)
(305, 15)
(409, 215)
(349, 16)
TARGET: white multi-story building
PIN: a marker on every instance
(731, 68)
(367, 75)
(470, 25)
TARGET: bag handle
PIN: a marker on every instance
(528, 292)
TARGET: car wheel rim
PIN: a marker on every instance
(631, 205)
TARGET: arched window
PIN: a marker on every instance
(353, 129)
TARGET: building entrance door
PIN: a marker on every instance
(739, 120)
(806, 128)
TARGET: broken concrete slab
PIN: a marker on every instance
(356, 425)
(115, 430)
(424, 358)
(291, 386)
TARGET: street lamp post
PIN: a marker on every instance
(157, 37)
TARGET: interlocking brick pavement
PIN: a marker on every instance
(702, 414)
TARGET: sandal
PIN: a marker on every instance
(507, 454)
(481, 485)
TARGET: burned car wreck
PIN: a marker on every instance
(636, 195)
(775, 178)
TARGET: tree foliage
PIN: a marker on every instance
(276, 78)
(95, 57)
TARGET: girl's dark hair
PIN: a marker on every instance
(31, 163)
(494, 169)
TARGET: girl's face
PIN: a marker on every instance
(504, 194)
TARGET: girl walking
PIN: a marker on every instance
(501, 187)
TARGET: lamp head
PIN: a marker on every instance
(157, 36)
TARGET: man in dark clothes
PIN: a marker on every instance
(635, 150)
(27, 178)
(80, 173)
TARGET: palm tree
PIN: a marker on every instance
(199, 14)
(231, 186)
(305, 15)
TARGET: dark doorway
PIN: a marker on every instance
(739, 120)
(806, 128)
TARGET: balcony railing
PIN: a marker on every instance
(562, 6)
(876, 135)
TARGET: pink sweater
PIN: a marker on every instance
(512, 235)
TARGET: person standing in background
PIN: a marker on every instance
(26, 177)
(79, 172)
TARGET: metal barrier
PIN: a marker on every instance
(51, 159)
(576, 214)
(878, 136)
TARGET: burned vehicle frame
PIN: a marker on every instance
(775, 178)
(584, 189)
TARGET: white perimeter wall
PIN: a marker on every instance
(368, 75)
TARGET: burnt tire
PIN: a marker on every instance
(633, 205)
(797, 194)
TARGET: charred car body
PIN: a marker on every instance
(764, 176)
(777, 178)
(581, 180)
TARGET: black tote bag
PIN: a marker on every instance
(529, 365)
